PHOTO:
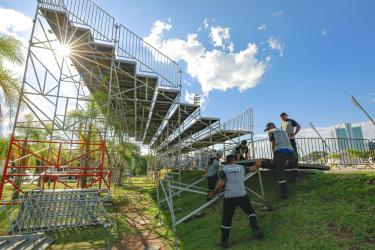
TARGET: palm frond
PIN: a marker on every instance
(10, 49)
(9, 91)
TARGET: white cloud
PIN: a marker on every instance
(18, 25)
(205, 22)
(189, 98)
(262, 27)
(277, 13)
(219, 36)
(276, 44)
(13, 21)
(323, 32)
(214, 69)
(156, 34)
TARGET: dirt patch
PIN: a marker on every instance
(144, 235)
(139, 242)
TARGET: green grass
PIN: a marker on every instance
(324, 211)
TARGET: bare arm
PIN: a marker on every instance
(217, 189)
(298, 128)
(256, 166)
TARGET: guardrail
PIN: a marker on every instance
(330, 151)
(151, 60)
(129, 45)
(86, 13)
(350, 152)
(242, 122)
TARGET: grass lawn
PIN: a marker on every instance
(324, 211)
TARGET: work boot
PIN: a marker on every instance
(258, 233)
(295, 175)
(224, 238)
(224, 244)
(254, 225)
(284, 190)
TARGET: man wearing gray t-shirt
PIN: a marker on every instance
(212, 170)
(282, 152)
(232, 176)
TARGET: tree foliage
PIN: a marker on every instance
(11, 51)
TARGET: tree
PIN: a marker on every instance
(11, 51)
(88, 130)
(27, 132)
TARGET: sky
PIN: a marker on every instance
(301, 57)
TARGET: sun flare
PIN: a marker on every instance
(63, 49)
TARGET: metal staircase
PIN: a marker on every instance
(137, 85)
(37, 241)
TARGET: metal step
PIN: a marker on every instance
(25, 242)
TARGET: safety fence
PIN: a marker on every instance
(242, 122)
(330, 151)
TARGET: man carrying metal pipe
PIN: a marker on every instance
(232, 176)
(211, 171)
(282, 152)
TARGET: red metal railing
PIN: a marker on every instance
(72, 164)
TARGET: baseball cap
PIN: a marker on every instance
(268, 126)
(219, 152)
(283, 113)
(243, 142)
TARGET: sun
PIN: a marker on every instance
(63, 49)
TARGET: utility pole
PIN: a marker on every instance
(359, 106)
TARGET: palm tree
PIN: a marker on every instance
(28, 132)
(130, 154)
(11, 51)
(87, 130)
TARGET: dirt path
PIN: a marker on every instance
(144, 234)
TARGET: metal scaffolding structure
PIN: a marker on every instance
(90, 85)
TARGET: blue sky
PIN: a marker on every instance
(328, 50)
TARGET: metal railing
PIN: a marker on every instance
(129, 45)
(86, 13)
(262, 149)
(151, 60)
(343, 151)
(242, 122)
(330, 151)
(312, 151)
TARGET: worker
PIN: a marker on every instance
(282, 152)
(241, 151)
(233, 177)
(211, 171)
(291, 127)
